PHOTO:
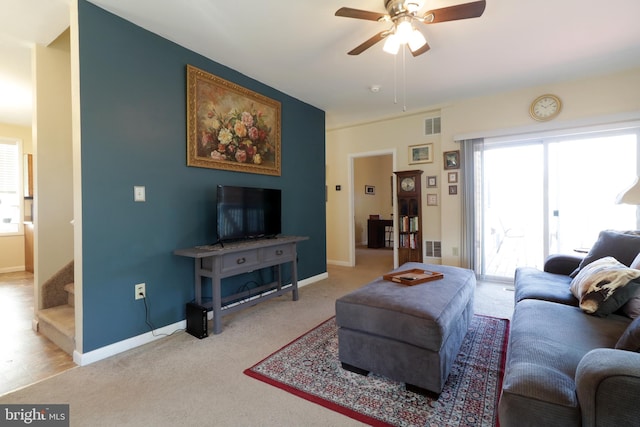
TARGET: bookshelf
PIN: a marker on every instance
(409, 241)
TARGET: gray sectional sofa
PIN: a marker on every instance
(565, 367)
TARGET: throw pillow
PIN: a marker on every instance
(604, 286)
(630, 339)
(623, 246)
(632, 307)
(636, 262)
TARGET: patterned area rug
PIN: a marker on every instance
(309, 367)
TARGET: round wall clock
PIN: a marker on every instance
(545, 107)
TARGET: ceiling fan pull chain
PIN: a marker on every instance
(395, 79)
(404, 81)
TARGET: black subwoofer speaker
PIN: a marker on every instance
(197, 320)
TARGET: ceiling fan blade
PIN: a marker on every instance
(454, 13)
(420, 51)
(367, 44)
(348, 12)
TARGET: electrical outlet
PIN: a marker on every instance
(140, 291)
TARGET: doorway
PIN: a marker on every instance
(371, 176)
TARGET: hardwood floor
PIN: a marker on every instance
(25, 355)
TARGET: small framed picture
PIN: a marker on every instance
(453, 189)
(421, 153)
(432, 200)
(432, 181)
(370, 189)
(452, 177)
(452, 159)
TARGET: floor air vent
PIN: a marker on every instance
(434, 249)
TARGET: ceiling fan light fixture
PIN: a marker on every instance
(404, 30)
(416, 40)
(391, 44)
(402, 14)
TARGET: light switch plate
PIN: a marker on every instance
(138, 193)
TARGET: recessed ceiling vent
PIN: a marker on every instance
(432, 126)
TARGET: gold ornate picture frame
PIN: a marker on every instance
(230, 127)
(422, 153)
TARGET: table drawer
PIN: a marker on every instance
(239, 260)
(277, 252)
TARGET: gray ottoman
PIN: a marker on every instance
(410, 334)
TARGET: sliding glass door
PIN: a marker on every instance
(540, 196)
(512, 198)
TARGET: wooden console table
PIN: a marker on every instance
(217, 262)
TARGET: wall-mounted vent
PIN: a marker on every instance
(432, 126)
(433, 249)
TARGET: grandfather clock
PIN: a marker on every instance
(409, 216)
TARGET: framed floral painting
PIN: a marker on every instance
(231, 127)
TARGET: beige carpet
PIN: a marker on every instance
(181, 380)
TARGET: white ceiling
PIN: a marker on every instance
(299, 47)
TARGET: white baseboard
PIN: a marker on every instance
(83, 359)
(313, 279)
(339, 263)
(301, 283)
(12, 269)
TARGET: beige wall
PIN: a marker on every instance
(53, 164)
(12, 247)
(585, 101)
(343, 144)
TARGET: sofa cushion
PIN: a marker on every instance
(623, 246)
(632, 307)
(546, 343)
(531, 283)
(604, 286)
(630, 339)
(563, 263)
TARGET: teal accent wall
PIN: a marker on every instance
(133, 132)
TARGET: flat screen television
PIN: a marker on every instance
(247, 213)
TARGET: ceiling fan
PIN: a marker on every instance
(402, 14)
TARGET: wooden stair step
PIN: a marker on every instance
(70, 288)
(58, 324)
